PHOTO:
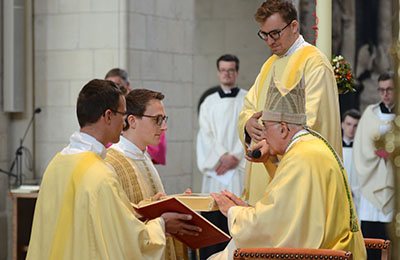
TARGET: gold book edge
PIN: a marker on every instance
(197, 201)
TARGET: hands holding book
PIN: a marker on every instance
(226, 200)
(177, 224)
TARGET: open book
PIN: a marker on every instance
(197, 201)
(210, 234)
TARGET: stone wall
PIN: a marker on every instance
(75, 41)
(160, 54)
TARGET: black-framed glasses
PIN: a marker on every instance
(274, 34)
(118, 112)
(387, 90)
(158, 118)
(229, 71)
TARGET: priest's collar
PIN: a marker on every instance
(81, 142)
(346, 143)
(385, 109)
(298, 44)
(225, 93)
(129, 149)
(295, 138)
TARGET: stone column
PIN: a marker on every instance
(324, 24)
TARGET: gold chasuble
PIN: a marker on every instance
(306, 205)
(140, 181)
(322, 105)
(82, 212)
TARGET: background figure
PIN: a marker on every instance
(144, 123)
(373, 164)
(158, 153)
(220, 155)
(349, 127)
(120, 77)
(293, 59)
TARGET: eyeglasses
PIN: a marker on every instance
(274, 34)
(158, 118)
(117, 112)
(387, 90)
(229, 71)
(268, 126)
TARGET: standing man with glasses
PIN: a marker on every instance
(144, 123)
(220, 155)
(373, 164)
(292, 58)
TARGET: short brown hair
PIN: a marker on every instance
(386, 76)
(117, 72)
(94, 99)
(354, 113)
(137, 100)
(228, 58)
(285, 8)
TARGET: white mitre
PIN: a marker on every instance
(285, 105)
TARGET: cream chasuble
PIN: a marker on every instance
(306, 205)
(374, 173)
(82, 212)
(322, 105)
(140, 180)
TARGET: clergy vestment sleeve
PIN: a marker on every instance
(321, 92)
(209, 149)
(281, 218)
(119, 229)
(249, 108)
(305, 205)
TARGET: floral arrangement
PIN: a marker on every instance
(343, 75)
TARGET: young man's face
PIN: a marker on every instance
(148, 132)
(286, 37)
(386, 92)
(349, 126)
(227, 73)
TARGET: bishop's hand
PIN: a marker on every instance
(263, 147)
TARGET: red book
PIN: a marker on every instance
(209, 235)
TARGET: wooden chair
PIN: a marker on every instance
(379, 244)
(290, 254)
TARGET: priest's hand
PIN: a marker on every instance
(253, 128)
(178, 224)
(263, 147)
(224, 203)
(158, 196)
(226, 163)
